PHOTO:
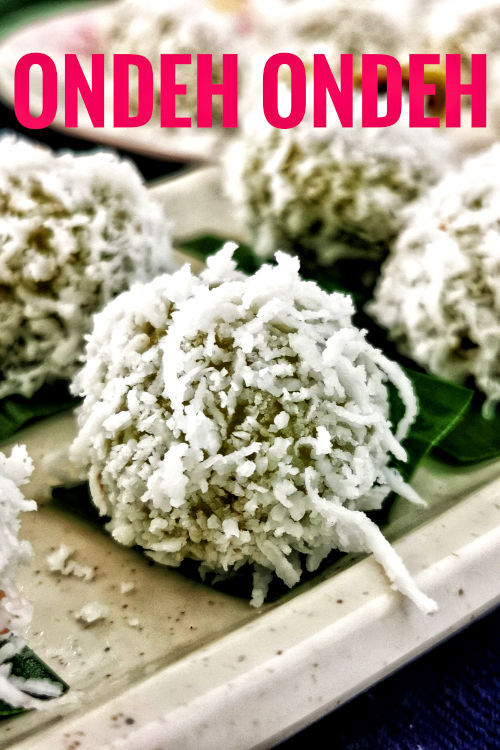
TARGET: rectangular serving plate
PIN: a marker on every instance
(178, 664)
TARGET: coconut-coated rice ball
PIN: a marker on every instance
(439, 295)
(241, 420)
(298, 25)
(15, 610)
(153, 27)
(466, 29)
(75, 230)
(326, 193)
(15, 471)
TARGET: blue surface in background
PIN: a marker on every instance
(446, 700)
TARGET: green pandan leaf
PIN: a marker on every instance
(27, 665)
(208, 244)
(17, 411)
(475, 438)
(442, 406)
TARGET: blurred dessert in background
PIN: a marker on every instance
(439, 294)
(326, 193)
(76, 229)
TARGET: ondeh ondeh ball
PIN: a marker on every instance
(439, 295)
(344, 29)
(190, 27)
(15, 470)
(468, 29)
(331, 192)
(15, 610)
(241, 420)
(75, 230)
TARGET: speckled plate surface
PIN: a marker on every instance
(176, 664)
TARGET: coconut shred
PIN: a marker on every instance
(15, 610)
(241, 420)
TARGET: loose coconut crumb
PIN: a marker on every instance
(330, 192)
(439, 296)
(241, 420)
(91, 613)
(126, 587)
(60, 561)
(75, 230)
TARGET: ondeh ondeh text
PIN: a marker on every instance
(331, 92)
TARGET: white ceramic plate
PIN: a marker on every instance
(176, 664)
(79, 31)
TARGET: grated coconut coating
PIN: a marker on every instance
(439, 295)
(332, 192)
(75, 230)
(15, 611)
(301, 24)
(232, 420)
(466, 29)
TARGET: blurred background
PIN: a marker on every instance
(17, 13)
